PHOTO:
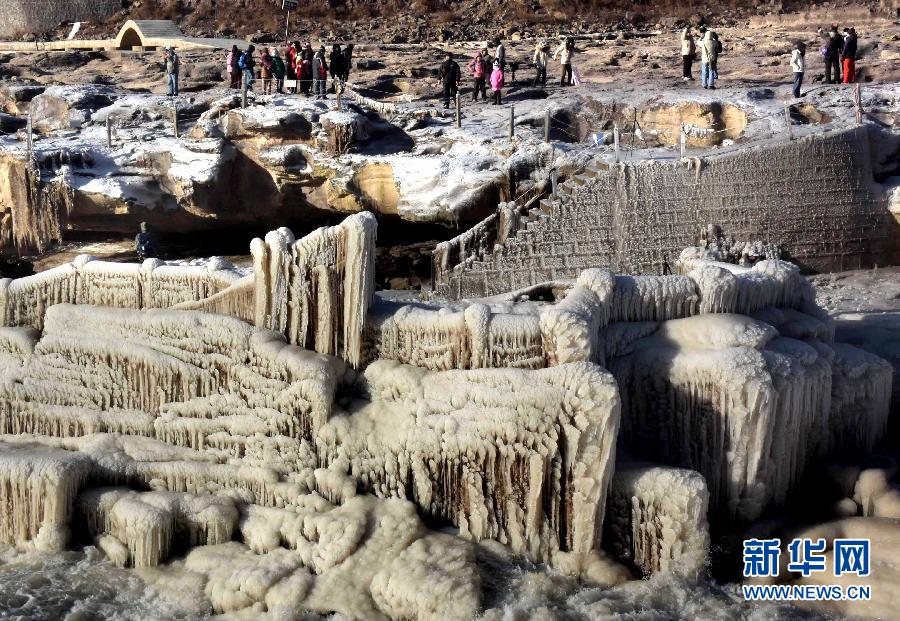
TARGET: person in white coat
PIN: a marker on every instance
(798, 66)
(565, 51)
(708, 56)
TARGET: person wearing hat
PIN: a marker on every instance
(172, 65)
(496, 83)
(832, 52)
(450, 75)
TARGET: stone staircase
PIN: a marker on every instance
(554, 239)
(814, 197)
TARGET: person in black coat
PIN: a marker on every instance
(348, 61)
(450, 75)
(834, 46)
(337, 65)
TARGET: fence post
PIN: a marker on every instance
(458, 112)
(616, 139)
(28, 138)
(512, 121)
(857, 99)
(337, 96)
(244, 91)
(682, 139)
(554, 180)
(109, 131)
(787, 120)
(175, 117)
(547, 125)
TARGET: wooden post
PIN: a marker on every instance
(244, 91)
(287, 28)
(458, 112)
(616, 139)
(28, 139)
(547, 125)
(787, 120)
(337, 96)
(109, 131)
(512, 121)
(682, 140)
(554, 180)
(857, 100)
(175, 117)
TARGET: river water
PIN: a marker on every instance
(82, 586)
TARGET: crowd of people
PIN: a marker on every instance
(490, 70)
(838, 51)
(299, 64)
(308, 70)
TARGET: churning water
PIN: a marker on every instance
(82, 586)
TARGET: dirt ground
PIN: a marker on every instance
(755, 55)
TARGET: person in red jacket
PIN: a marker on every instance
(290, 55)
(479, 68)
(305, 73)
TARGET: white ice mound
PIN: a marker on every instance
(656, 519)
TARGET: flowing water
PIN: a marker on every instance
(82, 586)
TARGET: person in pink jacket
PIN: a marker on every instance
(496, 83)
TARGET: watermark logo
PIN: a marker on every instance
(761, 558)
(851, 557)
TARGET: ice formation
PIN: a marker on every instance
(178, 407)
(317, 290)
(656, 519)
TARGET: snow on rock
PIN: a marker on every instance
(656, 519)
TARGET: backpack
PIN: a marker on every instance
(242, 61)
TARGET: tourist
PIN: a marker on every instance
(565, 51)
(540, 59)
(478, 67)
(708, 57)
(304, 68)
(717, 49)
(278, 70)
(348, 60)
(450, 75)
(337, 68)
(247, 64)
(833, 48)
(687, 53)
(848, 55)
(320, 73)
(290, 60)
(500, 55)
(265, 71)
(145, 244)
(234, 72)
(496, 83)
(798, 66)
(172, 65)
